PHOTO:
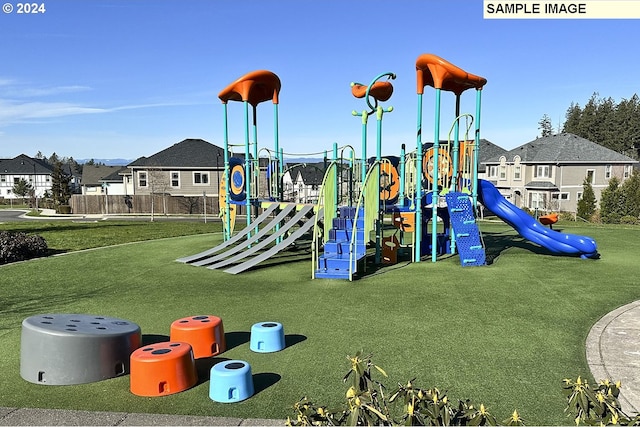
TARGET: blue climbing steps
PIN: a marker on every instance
(334, 262)
(468, 239)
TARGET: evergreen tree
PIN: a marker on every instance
(587, 203)
(60, 189)
(572, 119)
(631, 190)
(22, 188)
(612, 202)
(615, 126)
(545, 126)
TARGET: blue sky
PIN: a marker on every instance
(128, 78)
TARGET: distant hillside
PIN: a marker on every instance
(107, 162)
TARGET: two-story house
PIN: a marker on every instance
(548, 173)
(35, 172)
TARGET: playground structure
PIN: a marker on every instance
(420, 203)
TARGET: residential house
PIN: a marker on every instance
(192, 167)
(36, 172)
(301, 182)
(548, 173)
(106, 180)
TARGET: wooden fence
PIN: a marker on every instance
(145, 204)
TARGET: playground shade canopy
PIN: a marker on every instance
(254, 87)
(441, 74)
(381, 91)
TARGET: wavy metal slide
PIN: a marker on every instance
(532, 230)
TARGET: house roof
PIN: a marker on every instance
(25, 165)
(312, 173)
(562, 148)
(541, 185)
(189, 153)
(97, 174)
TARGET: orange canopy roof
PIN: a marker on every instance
(381, 91)
(441, 74)
(254, 87)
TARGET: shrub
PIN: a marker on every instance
(628, 219)
(18, 246)
(566, 216)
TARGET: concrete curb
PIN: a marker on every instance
(613, 352)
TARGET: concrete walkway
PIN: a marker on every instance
(64, 417)
(613, 352)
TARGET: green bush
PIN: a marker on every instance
(18, 246)
(64, 209)
(566, 216)
(628, 219)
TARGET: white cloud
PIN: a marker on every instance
(19, 112)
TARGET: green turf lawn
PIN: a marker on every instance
(505, 334)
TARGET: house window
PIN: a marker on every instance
(201, 178)
(607, 171)
(536, 200)
(493, 171)
(579, 195)
(517, 172)
(142, 179)
(542, 171)
(560, 196)
(590, 176)
(3, 178)
(627, 171)
(175, 179)
(503, 172)
(16, 180)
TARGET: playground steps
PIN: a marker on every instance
(465, 228)
(334, 262)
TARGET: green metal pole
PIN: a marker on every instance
(434, 199)
(335, 174)
(476, 152)
(256, 161)
(418, 195)
(276, 147)
(365, 117)
(227, 207)
(247, 166)
(454, 176)
(402, 174)
(456, 146)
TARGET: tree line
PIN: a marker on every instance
(605, 122)
(615, 126)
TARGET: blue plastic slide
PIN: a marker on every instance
(532, 230)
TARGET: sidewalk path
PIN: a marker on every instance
(613, 352)
(64, 417)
